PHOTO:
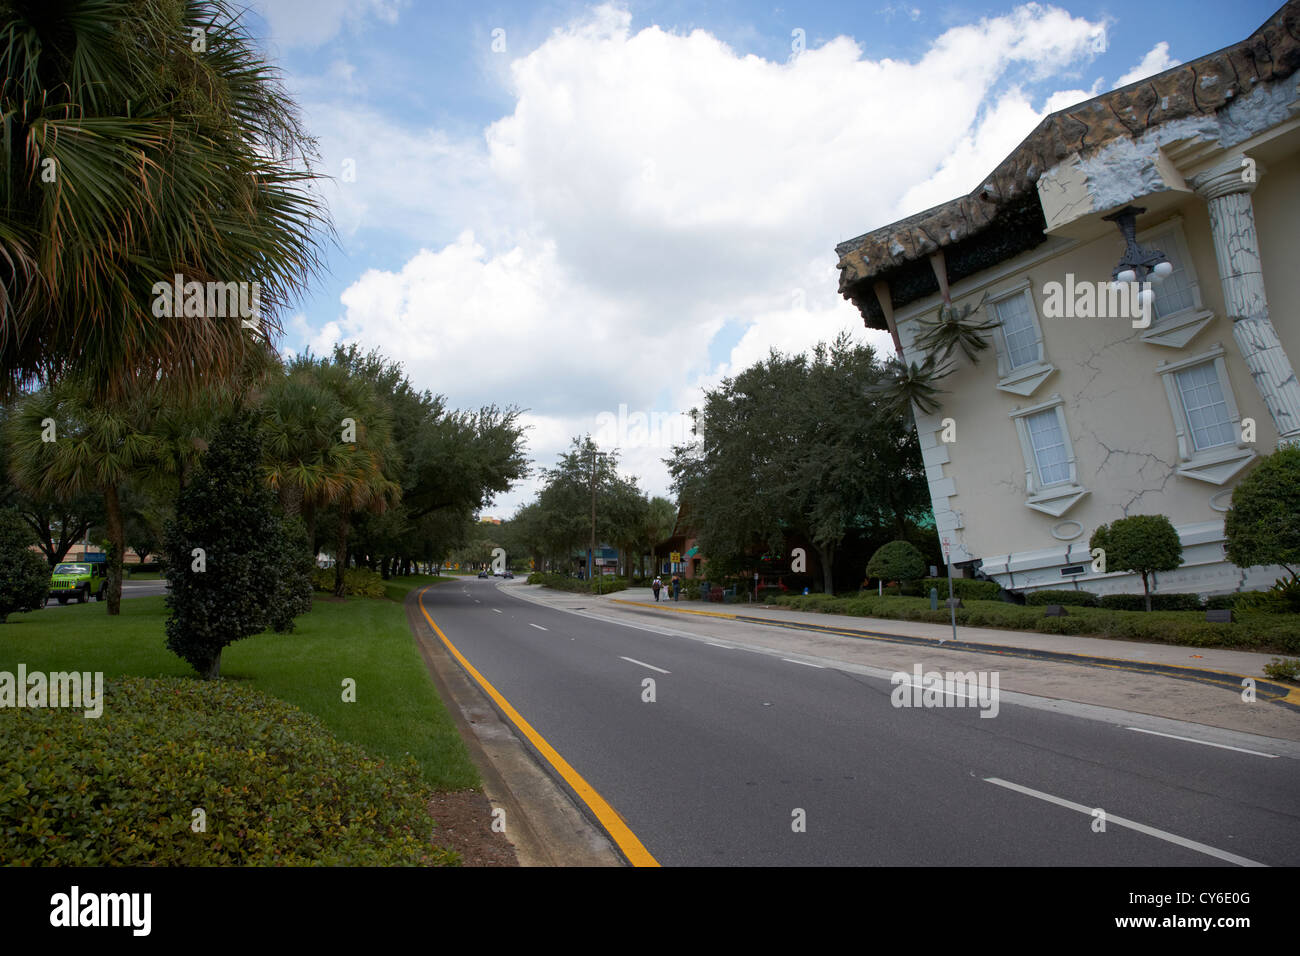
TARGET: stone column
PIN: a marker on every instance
(1236, 247)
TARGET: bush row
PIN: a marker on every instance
(1170, 601)
(1264, 632)
(274, 786)
(562, 582)
(968, 589)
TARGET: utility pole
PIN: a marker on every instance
(591, 565)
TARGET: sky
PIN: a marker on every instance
(594, 212)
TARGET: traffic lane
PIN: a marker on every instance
(826, 743)
(1267, 787)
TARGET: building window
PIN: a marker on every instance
(1207, 425)
(1050, 452)
(1207, 413)
(1022, 361)
(1178, 313)
(1051, 475)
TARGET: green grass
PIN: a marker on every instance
(397, 711)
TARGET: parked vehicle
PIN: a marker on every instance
(79, 580)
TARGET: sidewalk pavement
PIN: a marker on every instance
(1201, 685)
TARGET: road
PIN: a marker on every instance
(738, 747)
(130, 589)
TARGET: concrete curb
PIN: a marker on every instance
(544, 823)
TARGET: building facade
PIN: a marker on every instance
(1087, 406)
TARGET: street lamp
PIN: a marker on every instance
(1138, 264)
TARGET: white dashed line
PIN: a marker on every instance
(804, 663)
(538, 626)
(497, 609)
(633, 660)
(1139, 827)
(1207, 743)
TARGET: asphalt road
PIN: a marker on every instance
(736, 743)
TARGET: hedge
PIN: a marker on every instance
(1069, 598)
(561, 582)
(1264, 632)
(968, 589)
(274, 786)
(1159, 602)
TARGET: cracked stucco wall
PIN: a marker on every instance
(1116, 409)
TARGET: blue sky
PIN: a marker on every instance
(573, 207)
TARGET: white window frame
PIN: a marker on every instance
(1025, 379)
(1214, 465)
(1055, 499)
(1178, 329)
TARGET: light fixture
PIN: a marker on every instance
(1137, 264)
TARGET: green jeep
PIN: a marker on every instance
(78, 579)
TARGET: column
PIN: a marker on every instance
(1236, 247)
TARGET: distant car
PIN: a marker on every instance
(482, 574)
(508, 574)
(78, 579)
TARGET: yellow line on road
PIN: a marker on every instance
(627, 841)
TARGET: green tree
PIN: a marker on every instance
(233, 567)
(132, 155)
(65, 443)
(24, 577)
(896, 561)
(1144, 544)
(1263, 524)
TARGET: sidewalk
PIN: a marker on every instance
(1200, 685)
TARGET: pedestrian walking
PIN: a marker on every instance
(677, 588)
(656, 586)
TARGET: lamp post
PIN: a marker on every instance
(1138, 264)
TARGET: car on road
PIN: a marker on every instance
(78, 580)
(509, 574)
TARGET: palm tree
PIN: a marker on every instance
(144, 140)
(955, 331)
(905, 384)
(65, 443)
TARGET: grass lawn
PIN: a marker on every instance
(397, 710)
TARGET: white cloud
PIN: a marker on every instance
(649, 188)
(1157, 60)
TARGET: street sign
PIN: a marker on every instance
(675, 557)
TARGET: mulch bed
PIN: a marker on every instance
(463, 822)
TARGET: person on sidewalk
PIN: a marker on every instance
(655, 587)
(677, 588)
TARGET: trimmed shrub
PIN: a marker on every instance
(276, 788)
(896, 561)
(1069, 598)
(1263, 525)
(968, 589)
(1143, 544)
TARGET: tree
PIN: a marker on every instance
(233, 568)
(65, 443)
(800, 447)
(1144, 544)
(896, 561)
(134, 154)
(24, 577)
(1263, 524)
